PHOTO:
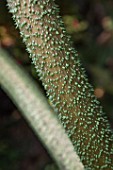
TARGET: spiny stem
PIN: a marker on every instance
(63, 77)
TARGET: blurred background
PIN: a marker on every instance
(90, 24)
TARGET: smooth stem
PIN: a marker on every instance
(34, 107)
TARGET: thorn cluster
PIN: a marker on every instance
(64, 79)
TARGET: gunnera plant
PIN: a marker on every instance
(59, 67)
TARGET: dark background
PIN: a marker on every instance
(90, 23)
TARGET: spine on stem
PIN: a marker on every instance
(64, 79)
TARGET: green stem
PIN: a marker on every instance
(34, 107)
(63, 77)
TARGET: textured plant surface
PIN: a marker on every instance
(63, 77)
(37, 112)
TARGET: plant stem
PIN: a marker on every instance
(63, 77)
(34, 107)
